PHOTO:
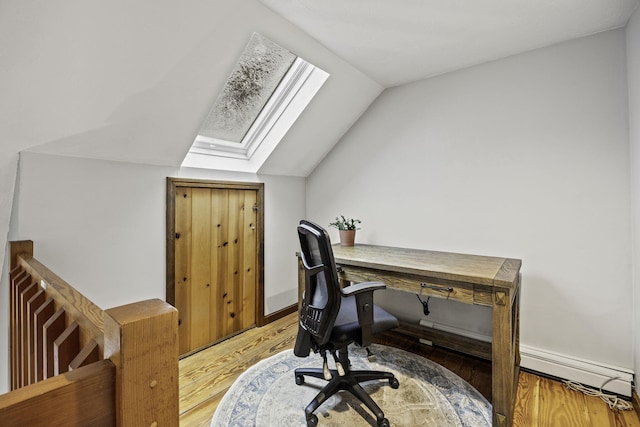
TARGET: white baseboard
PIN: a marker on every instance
(575, 369)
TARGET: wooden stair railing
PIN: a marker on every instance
(118, 366)
(51, 325)
(83, 397)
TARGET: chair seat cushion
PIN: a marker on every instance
(346, 329)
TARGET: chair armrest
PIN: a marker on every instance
(362, 287)
(363, 293)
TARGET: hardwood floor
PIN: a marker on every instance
(208, 374)
(540, 402)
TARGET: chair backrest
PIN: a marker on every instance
(321, 299)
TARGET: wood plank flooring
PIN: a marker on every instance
(540, 402)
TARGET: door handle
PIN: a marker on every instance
(435, 288)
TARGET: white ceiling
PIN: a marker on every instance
(399, 41)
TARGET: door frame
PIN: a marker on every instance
(172, 184)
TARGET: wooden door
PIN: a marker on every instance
(216, 281)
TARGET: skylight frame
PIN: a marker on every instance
(295, 78)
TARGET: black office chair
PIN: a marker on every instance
(332, 318)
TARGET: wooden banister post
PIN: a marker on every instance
(141, 339)
(19, 247)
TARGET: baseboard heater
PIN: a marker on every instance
(579, 370)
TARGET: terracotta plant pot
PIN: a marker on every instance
(347, 237)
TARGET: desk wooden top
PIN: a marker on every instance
(493, 271)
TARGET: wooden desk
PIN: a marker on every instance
(471, 279)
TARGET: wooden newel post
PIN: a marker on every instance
(19, 247)
(141, 339)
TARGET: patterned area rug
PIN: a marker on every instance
(266, 395)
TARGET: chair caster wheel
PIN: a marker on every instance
(394, 383)
(312, 421)
(299, 379)
(384, 423)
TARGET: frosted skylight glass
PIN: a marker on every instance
(265, 94)
(255, 76)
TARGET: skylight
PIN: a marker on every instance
(267, 90)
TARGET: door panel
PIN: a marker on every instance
(216, 262)
(182, 276)
(219, 230)
(249, 262)
(200, 259)
(232, 279)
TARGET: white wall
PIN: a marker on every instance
(100, 225)
(633, 73)
(525, 157)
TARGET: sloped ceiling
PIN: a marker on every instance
(400, 41)
(133, 80)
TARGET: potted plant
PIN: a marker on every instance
(347, 228)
